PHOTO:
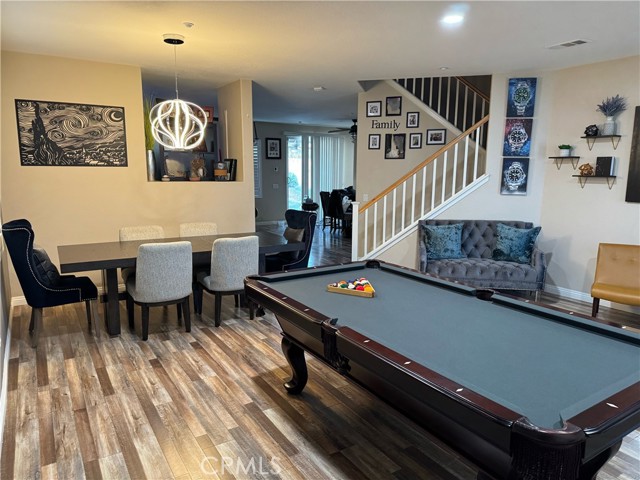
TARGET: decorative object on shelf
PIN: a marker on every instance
(517, 137)
(521, 97)
(586, 170)
(610, 107)
(176, 124)
(565, 150)
(149, 141)
(605, 166)
(220, 171)
(198, 170)
(591, 131)
(514, 176)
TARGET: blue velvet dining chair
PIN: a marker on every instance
(41, 283)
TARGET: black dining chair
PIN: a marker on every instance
(336, 210)
(302, 225)
(327, 221)
(41, 283)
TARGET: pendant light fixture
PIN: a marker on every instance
(176, 124)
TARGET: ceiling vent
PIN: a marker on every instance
(571, 43)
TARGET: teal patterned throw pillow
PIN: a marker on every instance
(515, 244)
(443, 241)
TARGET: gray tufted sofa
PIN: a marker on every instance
(478, 269)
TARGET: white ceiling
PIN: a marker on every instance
(287, 48)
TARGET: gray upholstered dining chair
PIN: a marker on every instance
(163, 277)
(138, 232)
(232, 259)
(197, 229)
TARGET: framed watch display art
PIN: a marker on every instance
(521, 97)
(517, 137)
(514, 176)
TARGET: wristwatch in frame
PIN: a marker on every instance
(514, 176)
(517, 137)
(521, 97)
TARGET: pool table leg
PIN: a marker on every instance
(295, 356)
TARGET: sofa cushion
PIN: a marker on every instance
(514, 244)
(443, 241)
(480, 272)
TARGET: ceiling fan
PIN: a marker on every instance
(353, 130)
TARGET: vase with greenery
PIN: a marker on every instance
(610, 107)
(149, 141)
(565, 150)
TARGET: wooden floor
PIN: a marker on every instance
(209, 404)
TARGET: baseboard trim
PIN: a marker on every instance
(587, 298)
(5, 377)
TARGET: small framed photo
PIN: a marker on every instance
(436, 136)
(413, 119)
(394, 106)
(394, 144)
(273, 148)
(415, 140)
(374, 141)
(374, 109)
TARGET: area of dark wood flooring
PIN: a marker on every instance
(209, 404)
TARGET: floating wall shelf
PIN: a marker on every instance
(559, 160)
(611, 179)
(615, 139)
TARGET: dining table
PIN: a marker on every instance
(108, 257)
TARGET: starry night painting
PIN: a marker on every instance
(70, 134)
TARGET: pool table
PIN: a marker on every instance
(522, 389)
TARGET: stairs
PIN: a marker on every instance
(441, 180)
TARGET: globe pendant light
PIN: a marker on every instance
(176, 124)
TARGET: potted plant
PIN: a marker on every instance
(565, 150)
(149, 141)
(610, 107)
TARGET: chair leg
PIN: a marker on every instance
(187, 315)
(197, 298)
(145, 322)
(88, 306)
(218, 308)
(179, 308)
(236, 299)
(252, 309)
(130, 312)
(35, 325)
(595, 306)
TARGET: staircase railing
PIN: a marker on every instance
(397, 209)
(453, 98)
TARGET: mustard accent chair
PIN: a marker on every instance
(617, 277)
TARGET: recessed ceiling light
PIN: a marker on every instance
(318, 88)
(444, 68)
(452, 19)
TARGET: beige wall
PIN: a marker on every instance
(69, 205)
(374, 172)
(573, 220)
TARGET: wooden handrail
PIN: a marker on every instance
(426, 162)
(474, 88)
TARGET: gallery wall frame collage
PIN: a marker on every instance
(516, 145)
(395, 144)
